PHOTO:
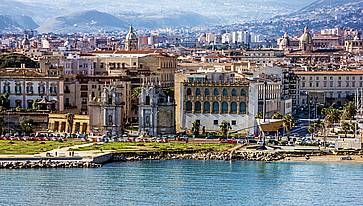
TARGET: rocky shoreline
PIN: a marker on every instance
(226, 156)
(47, 164)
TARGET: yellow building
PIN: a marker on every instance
(68, 123)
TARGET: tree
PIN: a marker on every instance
(259, 115)
(277, 115)
(4, 101)
(224, 128)
(70, 119)
(26, 125)
(14, 60)
(288, 124)
(346, 127)
(315, 127)
(196, 128)
(331, 116)
(2, 124)
(349, 111)
(136, 92)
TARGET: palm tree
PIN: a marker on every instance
(315, 127)
(346, 127)
(349, 111)
(288, 124)
(70, 119)
(331, 116)
(225, 127)
(196, 128)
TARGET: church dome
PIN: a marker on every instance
(131, 34)
(306, 37)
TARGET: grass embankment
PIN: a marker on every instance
(8, 147)
(156, 147)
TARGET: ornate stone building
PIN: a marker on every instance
(131, 41)
(156, 111)
(106, 113)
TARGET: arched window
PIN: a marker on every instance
(225, 92)
(197, 92)
(233, 107)
(206, 92)
(243, 92)
(206, 107)
(215, 92)
(189, 91)
(197, 107)
(215, 107)
(234, 92)
(242, 108)
(224, 107)
(188, 106)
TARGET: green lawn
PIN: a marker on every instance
(154, 146)
(8, 147)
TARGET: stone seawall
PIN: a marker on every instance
(47, 164)
(247, 156)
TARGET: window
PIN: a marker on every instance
(18, 89)
(188, 106)
(215, 122)
(325, 83)
(339, 84)
(215, 92)
(215, 107)
(197, 107)
(242, 108)
(317, 78)
(197, 92)
(18, 103)
(189, 91)
(303, 84)
(325, 78)
(234, 92)
(233, 107)
(147, 100)
(224, 107)
(206, 92)
(347, 84)
(317, 84)
(234, 122)
(353, 84)
(225, 92)
(206, 107)
(29, 89)
(331, 83)
(243, 92)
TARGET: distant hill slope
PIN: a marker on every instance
(86, 21)
(318, 15)
(178, 19)
(10, 23)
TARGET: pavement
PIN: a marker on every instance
(63, 152)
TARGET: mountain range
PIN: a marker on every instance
(267, 16)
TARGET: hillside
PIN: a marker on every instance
(16, 23)
(318, 15)
(86, 21)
